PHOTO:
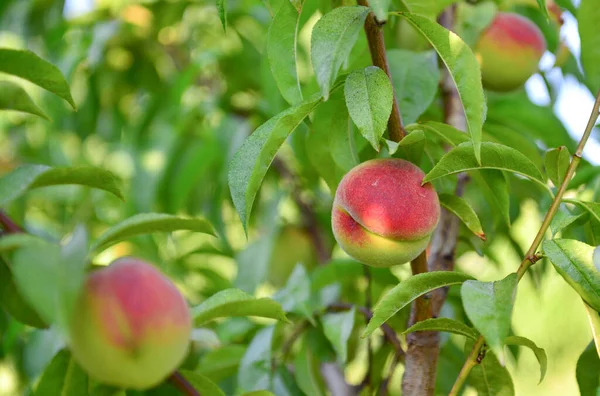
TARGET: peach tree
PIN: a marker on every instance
(299, 197)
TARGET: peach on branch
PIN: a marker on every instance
(130, 326)
(382, 215)
(509, 51)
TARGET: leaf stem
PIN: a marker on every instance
(530, 257)
(181, 383)
(379, 57)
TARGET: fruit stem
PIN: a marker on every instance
(530, 257)
(379, 57)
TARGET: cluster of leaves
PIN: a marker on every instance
(166, 100)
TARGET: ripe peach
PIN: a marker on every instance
(382, 215)
(130, 326)
(509, 51)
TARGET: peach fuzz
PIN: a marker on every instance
(130, 326)
(509, 51)
(382, 215)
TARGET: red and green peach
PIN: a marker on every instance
(382, 215)
(509, 51)
(131, 326)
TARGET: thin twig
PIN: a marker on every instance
(379, 57)
(182, 384)
(9, 226)
(530, 257)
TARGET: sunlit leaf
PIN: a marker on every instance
(588, 20)
(15, 98)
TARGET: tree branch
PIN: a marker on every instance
(379, 57)
(182, 384)
(530, 257)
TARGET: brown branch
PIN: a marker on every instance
(379, 57)
(181, 383)
(309, 216)
(9, 226)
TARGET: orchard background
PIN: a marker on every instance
(208, 138)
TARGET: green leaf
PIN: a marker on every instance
(296, 295)
(29, 66)
(73, 263)
(593, 208)
(447, 133)
(234, 302)
(308, 375)
(594, 318)
(415, 76)
(147, 223)
(28, 177)
(63, 376)
(221, 363)
(490, 378)
(380, 9)
(489, 306)
(15, 241)
(588, 20)
(336, 127)
(464, 212)
(464, 70)
(574, 262)
(14, 97)
(588, 372)
(337, 328)
(557, 161)
(444, 324)
(333, 37)
(222, 9)
(261, 392)
(12, 301)
(202, 384)
(369, 97)
(472, 20)
(494, 156)
(543, 8)
(562, 219)
(493, 185)
(255, 367)
(251, 162)
(281, 52)
(540, 353)
(407, 291)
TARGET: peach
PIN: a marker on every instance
(382, 215)
(130, 326)
(509, 51)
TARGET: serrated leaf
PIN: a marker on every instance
(444, 324)
(588, 20)
(588, 372)
(494, 156)
(234, 302)
(489, 306)
(333, 37)
(407, 291)
(222, 10)
(464, 70)
(255, 367)
(281, 52)
(369, 97)
(15, 98)
(556, 162)
(573, 260)
(202, 384)
(29, 66)
(337, 327)
(28, 177)
(251, 162)
(63, 376)
(461, 208)
(490, 378)
(147, 223)
(415, 76)
(540, 353)
(12, 301)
